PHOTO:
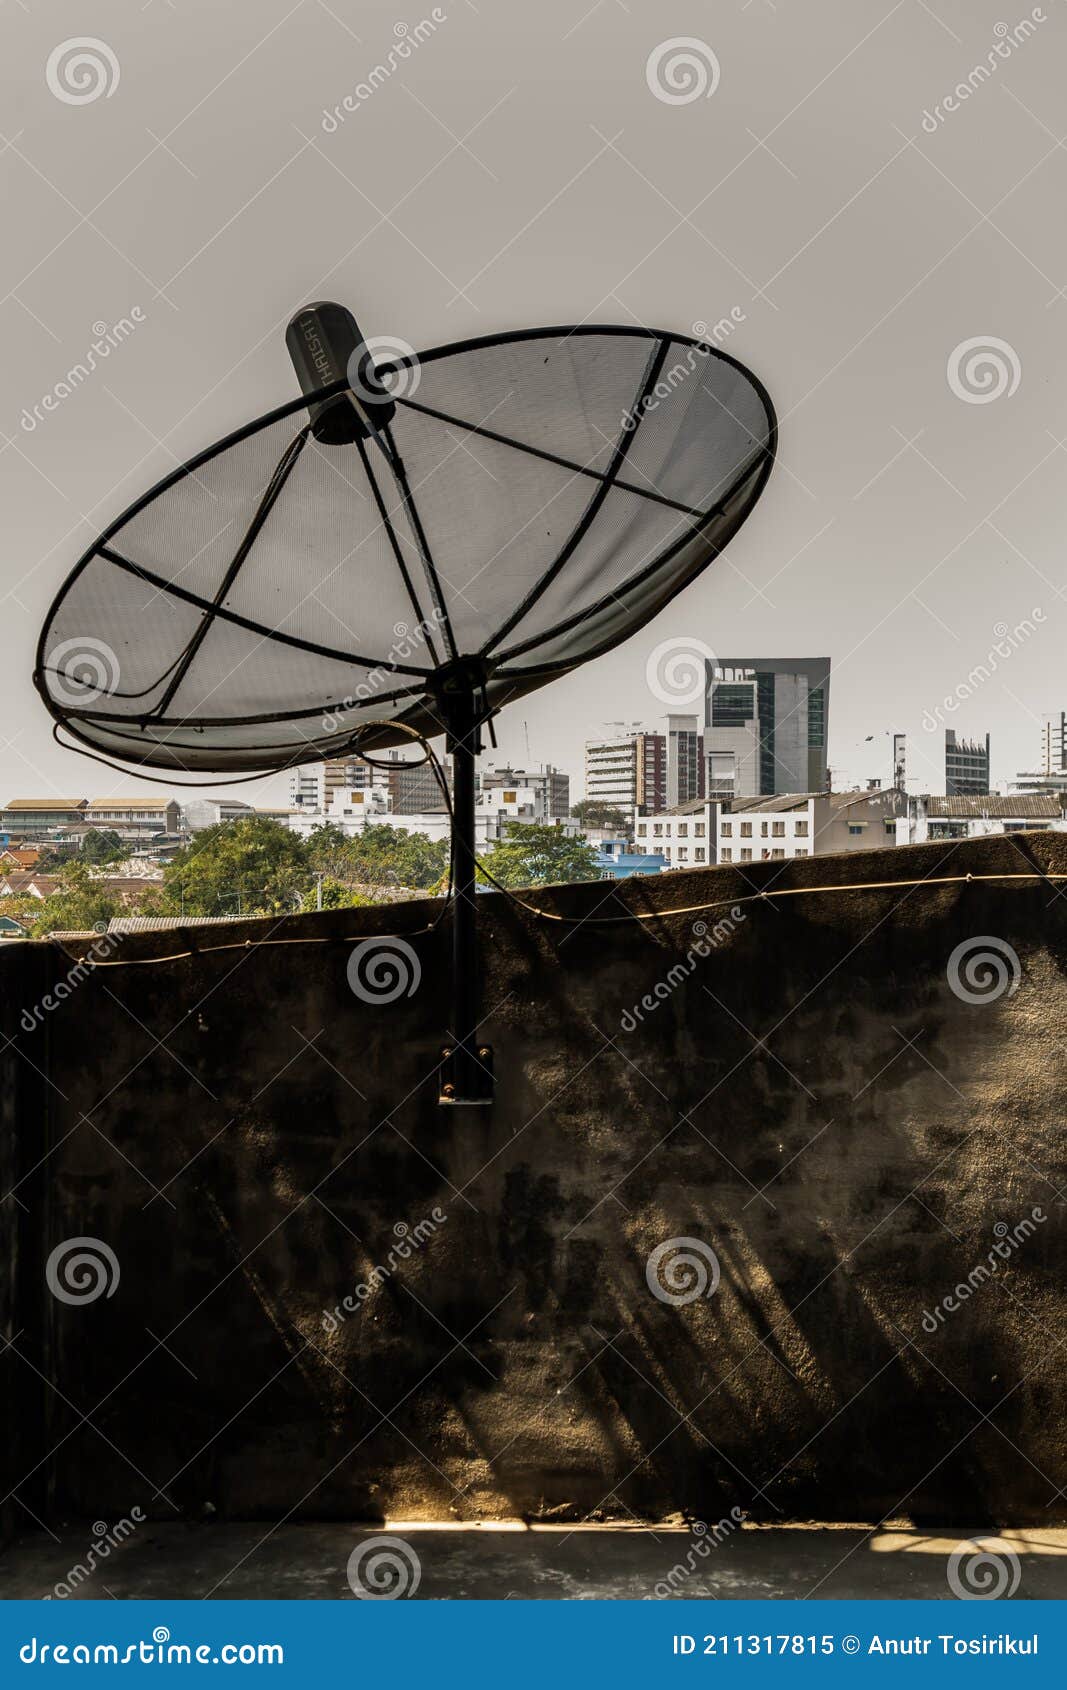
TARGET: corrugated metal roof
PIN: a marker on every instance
(1021, 806)
(771, 802)
(130, 803)
(46, 804)
(154, 923)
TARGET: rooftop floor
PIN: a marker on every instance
(492, 1563)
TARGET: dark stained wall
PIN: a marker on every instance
(841, 1135)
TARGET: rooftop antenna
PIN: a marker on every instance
(336, 578)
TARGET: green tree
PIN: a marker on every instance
(327, 848)
(102, 845)
(532, 855)
(335, 896)
(380, 855)
(252, 866)
(78, 904)
(590, 813)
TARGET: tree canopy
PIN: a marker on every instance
(256, 866)
(252, 865)
(79, 903)
(533, 855)
(102, 845)
(381, 855)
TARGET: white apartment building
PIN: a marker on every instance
(352, 810)
(550, 786)
(685, 835)
(752, 830)
(755, 829)
(133, 816)
(199, 813)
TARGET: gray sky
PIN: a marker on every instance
(521, 166)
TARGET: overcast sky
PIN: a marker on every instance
(894, 267)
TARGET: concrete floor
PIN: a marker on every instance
(301, 1561)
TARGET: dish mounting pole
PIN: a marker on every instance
(467, 1064)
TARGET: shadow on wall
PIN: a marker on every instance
(769, 1244)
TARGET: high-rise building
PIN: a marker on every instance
(1054, 745)
(966, 765)
(551, 786)
(627, 771)
(685, 760)
(1051, 772)
(413, 786)
(765, 725)
(410, 785)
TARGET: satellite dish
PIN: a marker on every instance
(414, 543)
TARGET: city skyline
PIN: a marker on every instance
(912, 518)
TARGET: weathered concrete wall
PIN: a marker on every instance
(813, 1103)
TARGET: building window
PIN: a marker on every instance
(746, 856)
(801, 829)
(763, 830)
(699, 854)
(683, 853)
(778, 830)
(778, 853)
(683, 830)
(699, 829)
(641, 830)
(852, 828)
(727, 854)
(746, 830)
(657, 830)
(727, 829)
(801, 853)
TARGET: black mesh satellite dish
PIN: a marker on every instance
(417, 541)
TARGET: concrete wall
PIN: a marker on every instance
(811, 1101)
